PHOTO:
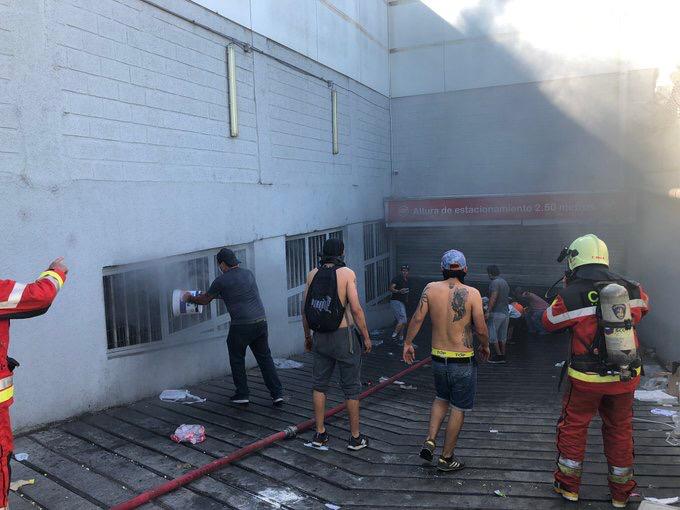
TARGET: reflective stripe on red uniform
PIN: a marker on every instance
(18, 301)
(616, 411)
(583, 324)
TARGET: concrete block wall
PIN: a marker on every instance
(114, 149)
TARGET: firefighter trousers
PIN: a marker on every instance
(6, 447)
(616, 411)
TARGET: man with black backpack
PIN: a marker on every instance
(330, 290)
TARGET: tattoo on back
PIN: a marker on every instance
(423, 299)
(458, 300)
(467, 336)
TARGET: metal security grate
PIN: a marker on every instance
(132, 302)
(138, 302)
(377, 263)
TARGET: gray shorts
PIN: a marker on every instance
(498, 327)
(330, 349)
(399, 311)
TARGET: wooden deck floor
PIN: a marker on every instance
(102, 459)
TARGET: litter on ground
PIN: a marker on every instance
(278, 497)
(500, 493)
(331, 506)
(654, 396)
(193, 434)
(180, 397)
(663, 501)
(21, 456)
(654, 383)
(559, 364)
(493, 431)
(322, 448)
(663, 412)
(286, 363)
(15, 486)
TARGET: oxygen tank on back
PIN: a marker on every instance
(618, 329)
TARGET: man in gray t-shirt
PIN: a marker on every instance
(238, 289)
(497, 316)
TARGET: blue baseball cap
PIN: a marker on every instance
(453, 259)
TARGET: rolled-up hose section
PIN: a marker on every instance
(291, 431)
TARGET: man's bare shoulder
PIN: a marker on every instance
(472, 292)
(311, 274)
(346, 272)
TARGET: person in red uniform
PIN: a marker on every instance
(594, 387)
(19, 301)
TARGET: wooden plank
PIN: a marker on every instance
(48, 492)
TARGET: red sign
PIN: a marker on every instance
(599, 207)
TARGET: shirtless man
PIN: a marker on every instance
(454, 308)
(340, 347)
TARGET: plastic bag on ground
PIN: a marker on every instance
(180, 397)
(654, 396)
(193, 434)
(287, 363)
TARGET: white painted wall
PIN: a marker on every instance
(114, 149)
(349, 36)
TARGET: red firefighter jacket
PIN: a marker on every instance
(21, 301)
(575, 307)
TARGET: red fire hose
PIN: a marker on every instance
(289, 432)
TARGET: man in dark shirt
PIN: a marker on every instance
(399, 300)
(498, 315)
(238, 289)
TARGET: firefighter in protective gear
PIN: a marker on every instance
(19, 301)
(595, 384)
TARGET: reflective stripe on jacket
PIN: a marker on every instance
(575, 307)
(21, 301)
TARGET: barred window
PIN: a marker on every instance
(302, 255)
(138, 299)
(377, 263)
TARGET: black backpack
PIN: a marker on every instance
(323, 309)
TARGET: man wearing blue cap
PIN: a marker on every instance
(454, 309)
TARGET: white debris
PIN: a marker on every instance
(493, 431)
(654, 396)
(15, 486)
(287, 363)
(331, 506)
(278, 497)
(560, 364)
(663, 501)
(663, 412)
(180, 397)
(21, 456)
(322, 448)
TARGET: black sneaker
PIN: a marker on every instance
(357, 443)
(427, 451)
(449, 464)
(278, 401)
(320, 439)
(238, 399)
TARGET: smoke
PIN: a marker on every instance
(138, 300)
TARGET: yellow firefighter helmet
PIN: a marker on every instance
(588, 249)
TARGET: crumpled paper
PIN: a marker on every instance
(15, 486)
